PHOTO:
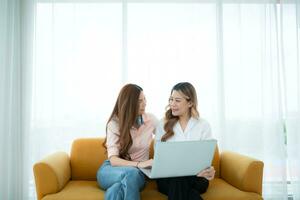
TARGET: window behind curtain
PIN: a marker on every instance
(169, 43)
(77, 72)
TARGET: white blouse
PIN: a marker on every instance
(196, 129)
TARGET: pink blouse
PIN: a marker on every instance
(141, 138)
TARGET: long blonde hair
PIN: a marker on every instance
(125, 113)
(189, 91)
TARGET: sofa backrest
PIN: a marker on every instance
(87, 154)
(216, 162)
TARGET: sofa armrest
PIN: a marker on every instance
(241, 171)
(51, 173)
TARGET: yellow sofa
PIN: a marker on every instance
(63, 177)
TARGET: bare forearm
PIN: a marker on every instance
(116, 161)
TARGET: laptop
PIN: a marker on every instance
(186, 158)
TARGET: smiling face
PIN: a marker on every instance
(142, 103)
(179, 104)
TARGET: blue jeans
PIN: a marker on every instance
(120, 183)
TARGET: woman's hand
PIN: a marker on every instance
(208, 173)
(145, 164)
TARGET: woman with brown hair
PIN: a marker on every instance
(129, 132)
(182, 123)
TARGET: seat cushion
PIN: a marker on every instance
(78, 190)
(220, 190)
(89, 190)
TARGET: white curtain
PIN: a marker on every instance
(10, 101)
(253, 90)
(290, 26)
(63, 64)
(16, 55)
(231, 52)
(76, 73)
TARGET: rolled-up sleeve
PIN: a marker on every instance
(112, 140)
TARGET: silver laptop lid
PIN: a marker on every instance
(186, 158)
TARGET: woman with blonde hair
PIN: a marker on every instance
(129, 132)
(183, 123)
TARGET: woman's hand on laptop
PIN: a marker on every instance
(146, 164)
(208, 173)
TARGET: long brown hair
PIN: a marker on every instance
(125, 113)
(188, 90)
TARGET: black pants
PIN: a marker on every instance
(183, 188)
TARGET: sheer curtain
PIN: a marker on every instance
(231, 52)
(253, 117)
(290, 24)
(16, 51)
(10, 101)
(76, 73)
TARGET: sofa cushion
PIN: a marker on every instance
(89, 190)
(78, 190)
(220, 190)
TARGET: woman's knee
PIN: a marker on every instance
(108, 175)
(101, 175)
(136, 173)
